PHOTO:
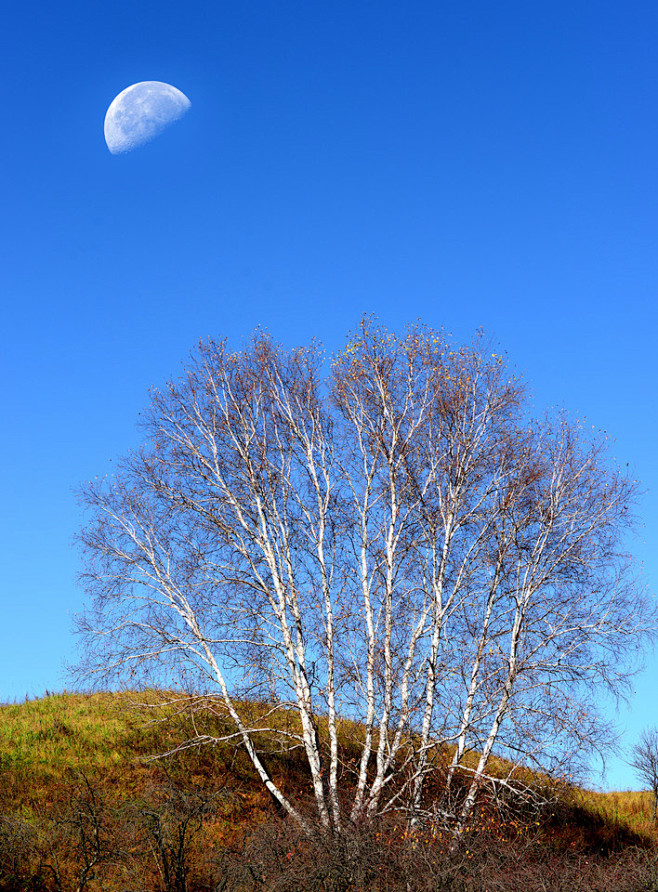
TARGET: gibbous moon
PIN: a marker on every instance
(141, 112)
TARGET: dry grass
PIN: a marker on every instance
(629, 807)
(48, 745)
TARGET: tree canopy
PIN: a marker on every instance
(390, 541)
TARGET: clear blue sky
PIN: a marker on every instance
(466, 163)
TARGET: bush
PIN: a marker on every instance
(277, 857)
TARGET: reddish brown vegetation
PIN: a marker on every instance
(91, 818)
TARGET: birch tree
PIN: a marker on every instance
(392, 544)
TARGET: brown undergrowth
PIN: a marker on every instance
(82, 806)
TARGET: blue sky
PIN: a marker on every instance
(468, 164)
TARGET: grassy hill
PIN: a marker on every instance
(84, 806)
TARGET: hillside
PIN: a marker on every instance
(84, 806)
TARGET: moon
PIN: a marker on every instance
(141, 112)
